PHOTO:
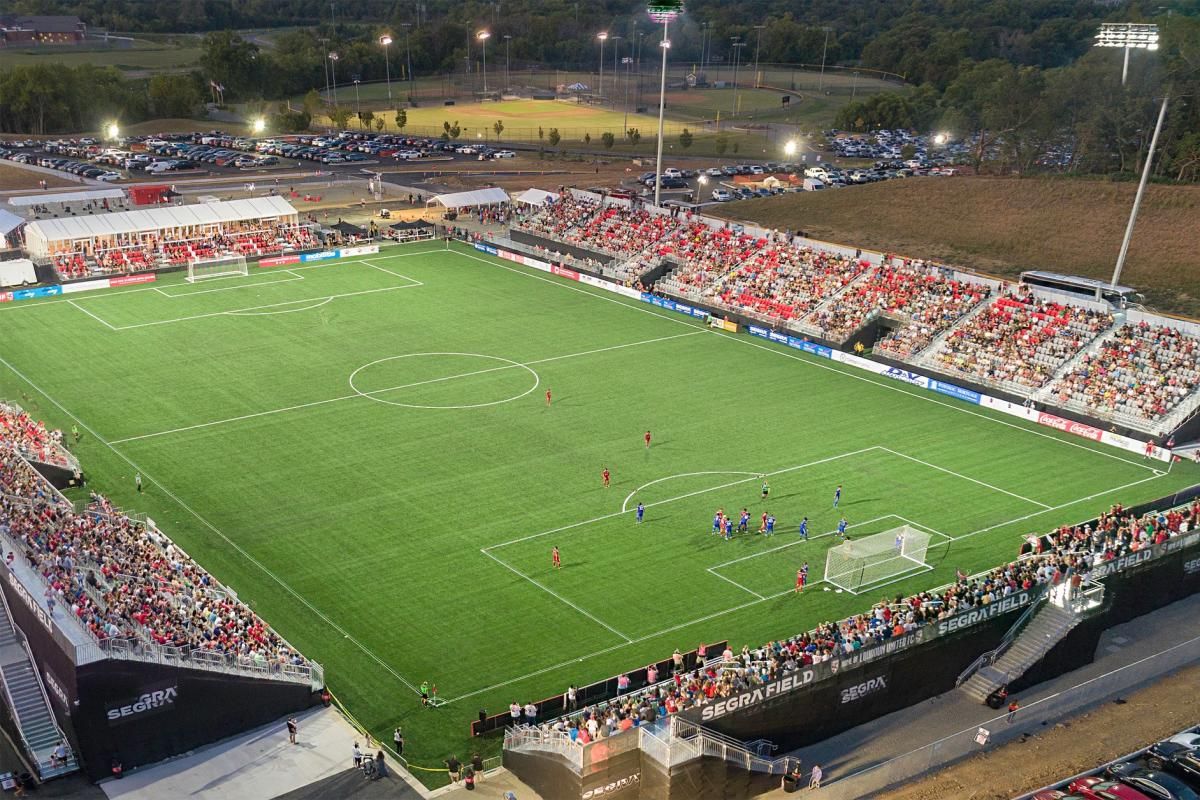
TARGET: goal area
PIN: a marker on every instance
(222, 266)
(859, 564)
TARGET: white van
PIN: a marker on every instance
(813, 185)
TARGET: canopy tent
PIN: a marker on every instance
(66, 197)
(48, 236)
(9, 222)
(411, 225)
(535, 197)
(475, 197)
(349, 229)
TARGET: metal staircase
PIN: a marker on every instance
(28, 704)
(1038, 630)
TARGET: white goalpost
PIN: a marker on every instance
(860, 564)
(222, 266)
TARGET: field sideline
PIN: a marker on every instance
(363, 450)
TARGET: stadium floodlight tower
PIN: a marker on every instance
(483, 36)
(663, 12)
(1129, 36)
(603, 37)
(386, 42)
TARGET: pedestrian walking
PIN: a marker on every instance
(814, 781)
(357, 755)
(1013, 706)
(292, 728)
(398, 740)
(477, 765)
(137, 480)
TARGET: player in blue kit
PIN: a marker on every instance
(728, 529)
(744, 522)
(837, 495)
(641, 512)
(842, 529)
(804, 529)
(770, 524)
(717, 522)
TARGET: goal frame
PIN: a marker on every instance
(880, 562)
(237, 265)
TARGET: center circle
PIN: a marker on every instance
(493, 364)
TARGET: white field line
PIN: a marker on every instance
(735, 583)
(630, 496)
(316, 304)
(251, 285)
(373, 265)
(10, 307)
(392, 389)
(233, 545)
(750, 603)
(102, 321)
(965, 477)
(556, 595)
(889, 385)
(680, 497)
(235, 311)
(777, 548)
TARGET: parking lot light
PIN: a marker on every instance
(790, 148)
(112, 131)
(258, 125)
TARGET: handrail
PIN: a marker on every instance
(1010, 636)
(62, 736)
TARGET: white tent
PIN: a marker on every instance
(9, 222)
(47, 236)
(475, 197)
(81, 196)
(535, 197)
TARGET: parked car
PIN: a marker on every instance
(505, 154)
(1097, 788)
(1154, 783)
(721, 195)
(1178, 759)
(108, 176)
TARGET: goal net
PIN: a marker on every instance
(862, 563)
(222, 266)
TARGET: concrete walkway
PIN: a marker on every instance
(254, 766)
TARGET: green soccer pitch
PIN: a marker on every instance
(363, 450)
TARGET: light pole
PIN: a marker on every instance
(483, 37)
(616, 49)
(333, 59)
(603, 37)
(325, 68)
(507, 61)
(386, 41)
(357, 99)
(408, 58)
(737, 56)
(824, 52)
(757, 45)
(662, 11)
(1130, 36)
(704, 46)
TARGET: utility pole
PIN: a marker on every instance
(616, 48)
(507, 62)
(408, 58)
(824, 51)
(757, 45)
(737, 57)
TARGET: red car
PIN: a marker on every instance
(1097, 788)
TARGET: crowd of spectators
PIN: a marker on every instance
(123, 580)
(32, 438)
(1141, 370)
(705, 255)
(138, 254)
(1020, 340)
(1059, 560)
(926, 300)
(556, 217)
(785, 282)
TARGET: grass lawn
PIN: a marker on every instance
(1003, 226)
(13, 176)
(364, 452)
(142, 56)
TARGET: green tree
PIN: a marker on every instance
(380, 123)
(401, 119)
(608, 140)
(174, 96)
(634, 136)
(288, 121)
(366, 117)
(230, 61)
(340, 117)
(498, 127)
(541, 133)
(721, 144)
(455, 130)
(553, 137)
(312, 102)
(685, 138)
(587, 137)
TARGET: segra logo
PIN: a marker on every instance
(611, 788)
(154, 701)
(867, 687)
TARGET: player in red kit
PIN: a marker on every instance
(555, 558)
(647, 438)
(604, 475)
(547, 397)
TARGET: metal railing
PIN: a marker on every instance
(992, 656)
